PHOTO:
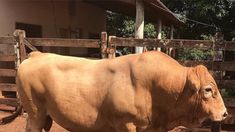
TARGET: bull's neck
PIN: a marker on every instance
(167, 90)
(179, 115)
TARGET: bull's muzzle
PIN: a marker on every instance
(225, 114)
(219, 116)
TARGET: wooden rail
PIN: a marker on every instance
(7, 57)
(57, 42)
(174, 43)
(7, 87)
(7, 40)
(7, 73)
(10, 101)
(212, 65)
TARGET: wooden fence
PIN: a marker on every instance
(8, 66)
(215, 46)
(108, 49)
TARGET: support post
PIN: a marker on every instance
(216, 127)
(172, 31)
(21, 56)
(159, 31)
(19, 36)
(103, 46)
(218, 56)
(139, 24)
(218, 40)
(111, 48)
(172, 50)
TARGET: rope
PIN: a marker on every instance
(195, 21)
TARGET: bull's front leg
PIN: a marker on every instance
(151, 129)
(130, 127)
(125, 127)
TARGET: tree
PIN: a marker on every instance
(218, 15)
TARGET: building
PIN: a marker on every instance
(72, 18)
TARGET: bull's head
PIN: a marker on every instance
(206, 93)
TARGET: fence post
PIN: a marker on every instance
(216, 126)
(218, 51)
(111, 48)
(218, 56)
(103, 46)
(19, 37)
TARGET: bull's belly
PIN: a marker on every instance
(75, 115)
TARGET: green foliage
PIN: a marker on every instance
(149, 31)
(195, 54)
(128, 28)
(124, 26)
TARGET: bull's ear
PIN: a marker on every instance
(193, 81)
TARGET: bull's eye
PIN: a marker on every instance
(207, 92)
(208, 89)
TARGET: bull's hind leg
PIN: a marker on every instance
(33, 104)
(36, 121)
(37, 117)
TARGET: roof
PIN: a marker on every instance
(154, 9)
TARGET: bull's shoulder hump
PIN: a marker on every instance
(159, 56)
(35, 54)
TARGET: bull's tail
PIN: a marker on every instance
(12, 117)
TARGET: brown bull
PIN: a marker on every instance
(150, 91)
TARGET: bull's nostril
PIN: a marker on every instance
(225, 114)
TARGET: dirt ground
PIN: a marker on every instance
(18, 125)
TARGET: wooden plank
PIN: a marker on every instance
(30, 46)
(219, 66)
(10, 101)
(7, 40)
(177, 43)
(229, 45)
(230, 102)
(224, 66)
(174, 43)
(57, 42)
(7, 73)
(7, 57)
(195, 63)
(7, 87)
(227, 84)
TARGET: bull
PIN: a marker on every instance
(145, 92)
